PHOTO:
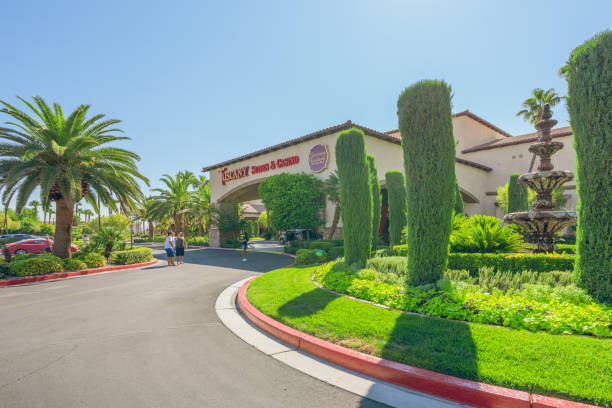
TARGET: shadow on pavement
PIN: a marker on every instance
(256, 261)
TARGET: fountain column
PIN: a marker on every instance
(542, 222)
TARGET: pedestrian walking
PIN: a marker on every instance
(181, 244)
(169, 247)
(244, 241)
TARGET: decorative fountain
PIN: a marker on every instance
(543, 221)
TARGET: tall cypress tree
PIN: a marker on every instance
(425, 123)
(396, 191)
(517, 195)
(458, 200)
(376, 200)
(589, 77)
(355, 196)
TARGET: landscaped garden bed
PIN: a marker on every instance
(575, 367)
(31, 265)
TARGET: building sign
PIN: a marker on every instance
(318, 158)
(235, 174)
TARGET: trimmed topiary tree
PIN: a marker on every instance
(589, 77)
(376, 200)
(396, 192)
(355, 196)
(458, 200)
(517, 195)
(425, 123)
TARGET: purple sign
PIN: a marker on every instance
(318, 158)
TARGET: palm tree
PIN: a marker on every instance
(68, 159)
(146, 213)
(200, 203)
(533, 107)
(174, 201)
(46, 206)
(35, 204)
(331, 188)
(88, 214)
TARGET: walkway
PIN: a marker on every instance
(145, 338)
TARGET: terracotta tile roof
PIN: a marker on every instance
(526, 138)
(471, 116)
(325, 132)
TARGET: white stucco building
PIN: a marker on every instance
(485, 157)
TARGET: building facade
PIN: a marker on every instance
(485, 157)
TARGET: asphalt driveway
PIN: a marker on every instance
(145, 338)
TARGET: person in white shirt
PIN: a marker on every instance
(169, 247)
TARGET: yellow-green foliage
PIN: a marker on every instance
(376, 200)
(589, 76)
(426, 126)
(355, 196)
(396, 193)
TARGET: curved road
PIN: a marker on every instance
(145, 338)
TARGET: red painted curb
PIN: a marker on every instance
(452, 388)
(41, 278)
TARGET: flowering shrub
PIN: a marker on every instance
(565, 309)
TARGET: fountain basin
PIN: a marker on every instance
(541, 225)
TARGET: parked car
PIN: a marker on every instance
(18, 237)
(34, 246)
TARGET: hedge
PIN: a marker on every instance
(310, 256)
(290, 250)
(517, 195)
(504, 262)
(376, 200)
(335, 252)
(355, 196)
(38, 265)
(131, 256)
(426, 127)
(321, 245)
(92, 259)
(72, 264)
(568, 249)
(589, 77)
(396, 193)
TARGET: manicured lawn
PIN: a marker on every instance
(572, 367)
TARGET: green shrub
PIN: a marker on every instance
(335, 252)
(389, 264)
(198, 241)
(396, 193)
(305, 257)
(426, 127)
(383, 252)
(72, 264)
(509, 262)
(21, 257)
(132, 256)
(321, 245)
(94, 260)
(37, 265)
(290, 250)
(517, 195)
(376, 200)
(589, 77)
(458, 208)
(567, 249)
(355, 196)
(484, 234)
(5, 269)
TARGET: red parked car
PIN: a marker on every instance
(34, 246)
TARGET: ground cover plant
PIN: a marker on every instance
(520, 305)
(573, 367)
(131, 256)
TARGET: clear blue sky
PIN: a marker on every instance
(198, 82)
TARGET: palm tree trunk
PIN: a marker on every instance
(44, 217)
(334, 225)
(151, 231)
(64, 213)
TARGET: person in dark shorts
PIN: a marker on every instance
(169, 247)
(181, 244)
(244, 241)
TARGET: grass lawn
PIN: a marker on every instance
(572, 367)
